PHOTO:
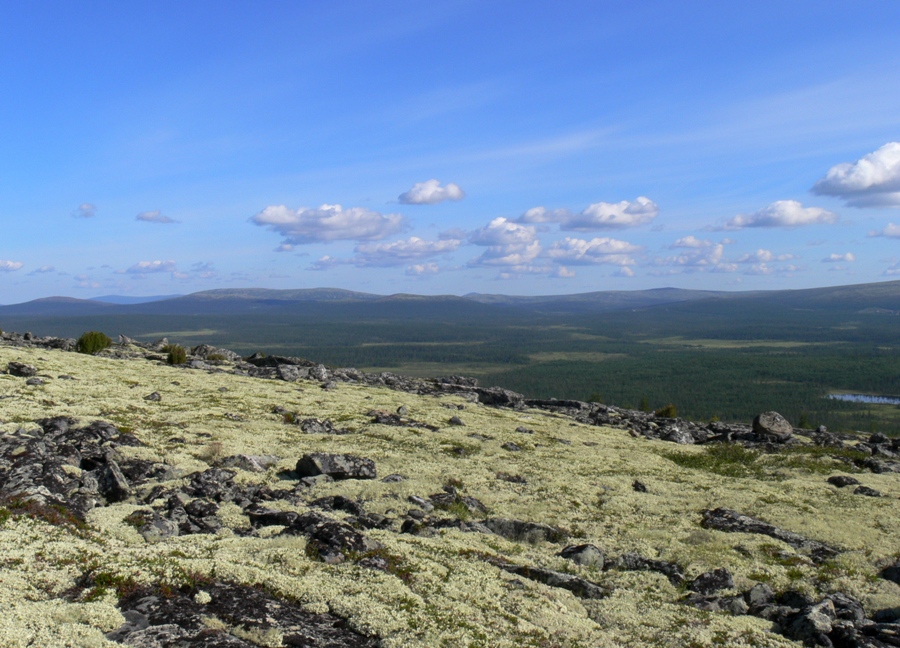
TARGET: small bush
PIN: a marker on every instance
(92, 341)
(177, 355)
(668, 411)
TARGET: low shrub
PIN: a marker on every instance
(92, 341)
(668, 411)
(176, 354)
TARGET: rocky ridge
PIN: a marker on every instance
(66, 471)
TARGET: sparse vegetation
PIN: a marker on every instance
(91, 342)
(668, 411)
(176, 354)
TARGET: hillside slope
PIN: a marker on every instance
(193, 504)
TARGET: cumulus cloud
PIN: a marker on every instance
(598, 216)
(431, 192)
(849, 257)
(148, 267)
(328, 223)
(10, 266)
(400, 252)
(596, 251)
(422, 269)
(872, 181)
(85, 210)
(783, 213)
(698, 255)
(763, 256)
(154, 217)
(508, 244)
(890, 231)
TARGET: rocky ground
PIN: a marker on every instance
(271, 501)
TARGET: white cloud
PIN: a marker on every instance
(154, 217)
(596, 251)
(147, 267)
(431, 192)
(625, 271)
(698, 255)
(840, 258)
(892, 270)
(400, 252)
(783, 213)
(328, 223)
(508, 244)
(10, 266)
(890, 231)
(325, 262)
(564, 273)
(598, 216)
(85, 210)
(872, 181)
(764, 256)
(423, 269)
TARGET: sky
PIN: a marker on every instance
(447, 147)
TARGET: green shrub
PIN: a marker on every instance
(92, 341)
(177, 354)
(668, 411)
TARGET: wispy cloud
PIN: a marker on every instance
(848, 257)
(597, 251)
(431, 192)
(154, 217)
(871, 181)
(85, 210)
(10, 266)
(889, 231)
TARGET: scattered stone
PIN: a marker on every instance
(521, 531)
(723, 519)
(636, 562)
(868, 492)
(393, 478)
(524, 430)
(250, 463)
(455, 420)
(35, 382)
(421, 502)
(758, 596)
(513, 479)
(155, 397)
(156, 617)
(578, 586)
(892, 572)
(584, 554)
(330, 541)
(319, 426)
(451, 499)
(639, 486)
(772, 426)
(337, 466)
(21, 370)
(112, 483)
(843, 480)
(811, 625)
(511, 447)
(679, 436)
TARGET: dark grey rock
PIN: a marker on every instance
(584, 554)
(521, 531)
(638, 486)
(250, 463)
(712, 581)
(511, 447)
(842, 480)
(155, 397)
(811, 625)
(636, 562)
(723, 519)
(892, 572)
(759, 595)
(21, 369)
(330, 541)
(337, 466)
(578, 586)
(455, 420)
(35, 382)
(113, 484)
(393, 478)
(868, 492)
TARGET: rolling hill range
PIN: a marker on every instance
(711, 354)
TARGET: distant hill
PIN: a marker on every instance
(250, 301)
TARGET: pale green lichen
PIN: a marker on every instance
(449, 595)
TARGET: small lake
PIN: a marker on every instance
(866, 398)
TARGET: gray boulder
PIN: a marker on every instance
(713, 581)
(772, 426)
(336, 466)
(584, 554)
(21, 369)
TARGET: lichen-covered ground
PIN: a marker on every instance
(442, 590)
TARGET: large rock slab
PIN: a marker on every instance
(336, 466)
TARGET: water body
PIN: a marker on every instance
(866, 398)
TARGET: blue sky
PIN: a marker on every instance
(515, 147)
